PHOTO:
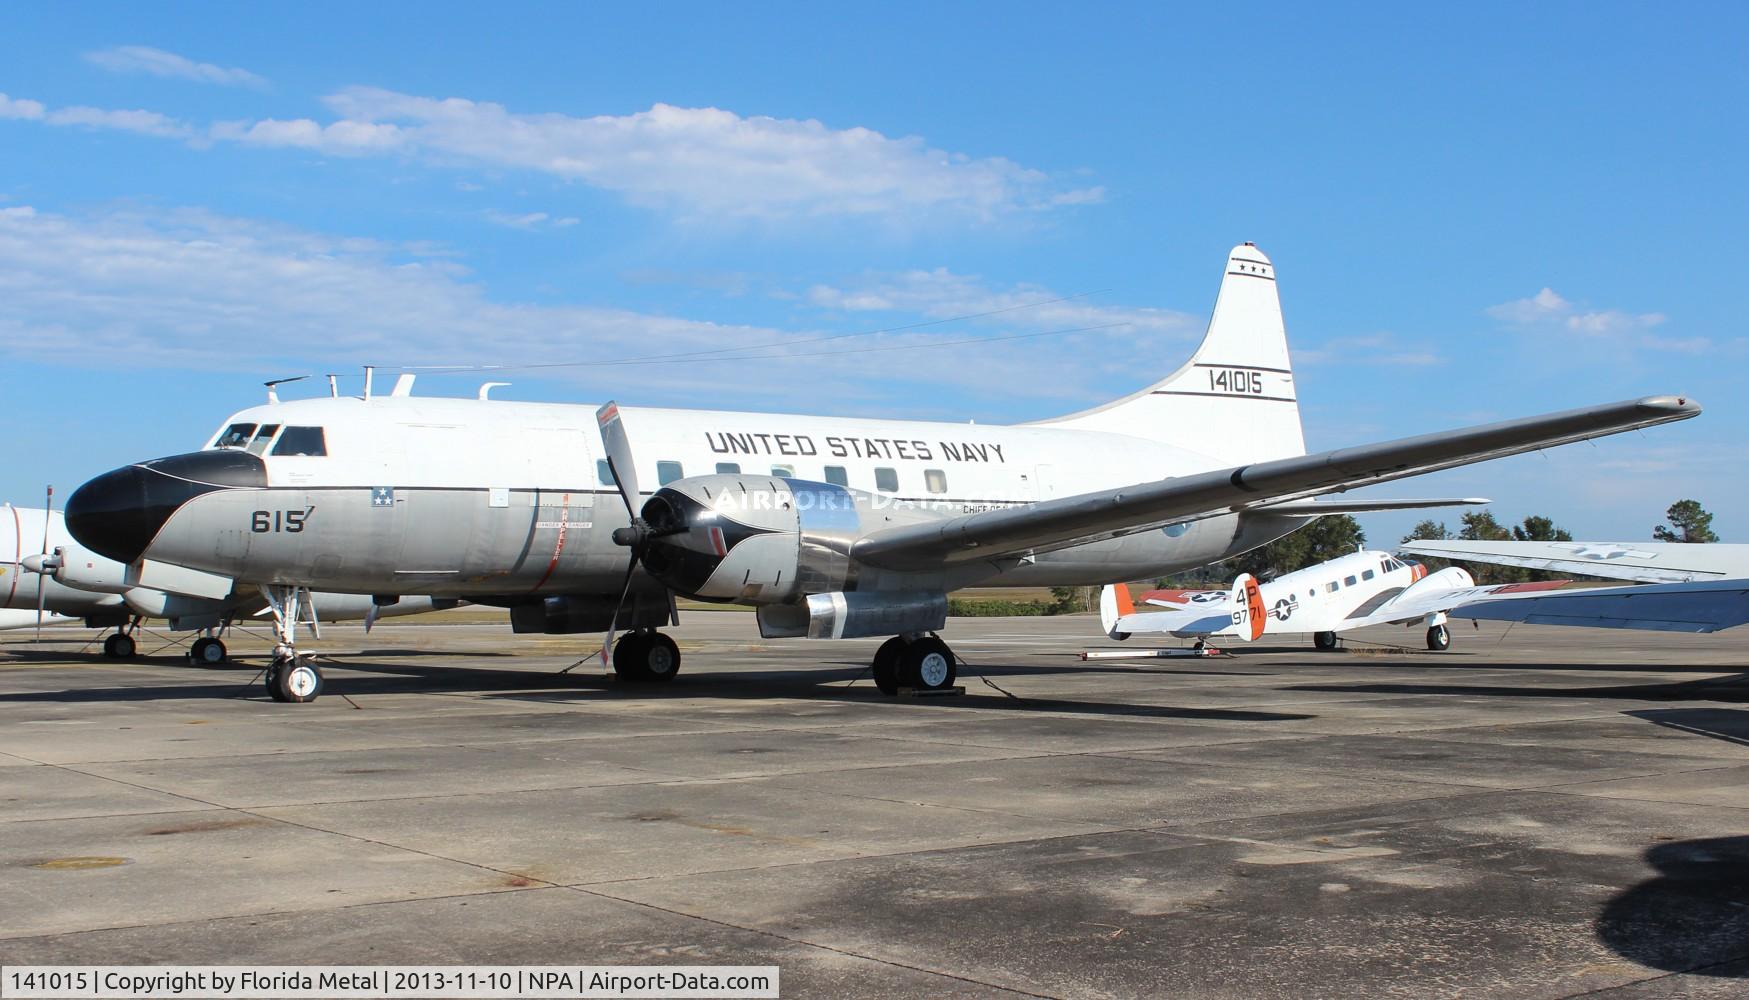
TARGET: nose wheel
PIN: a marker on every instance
(1439, 638)
(292, 676)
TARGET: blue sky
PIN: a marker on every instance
(1475, 214)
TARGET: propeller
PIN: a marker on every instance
(618, 449)
(43, 558)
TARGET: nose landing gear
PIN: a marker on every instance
(292, 676)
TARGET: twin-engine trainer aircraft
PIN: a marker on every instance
(1376, 588)
(832, 527)
(43, 570)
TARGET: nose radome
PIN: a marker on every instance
(119, 513)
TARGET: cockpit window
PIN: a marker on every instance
(307, 441)
(235, 436)
(262, 438)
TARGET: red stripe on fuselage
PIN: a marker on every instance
(559, 548)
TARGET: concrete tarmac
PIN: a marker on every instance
(1539, 812)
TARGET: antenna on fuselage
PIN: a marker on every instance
(487, 387)
(273, 386)
(368, 369)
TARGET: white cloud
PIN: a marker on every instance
(11, 107)
(1547, 309)
(940, 294)
(192, 289)
(694, 161)
(531, 220)
(142, 122)
(157, 62)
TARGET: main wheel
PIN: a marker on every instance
(207, 651)
(927, 665)
(646, 657)
(886, 665)
(1324, 640)
(297, 680)
(118, 646)
(1439, 638)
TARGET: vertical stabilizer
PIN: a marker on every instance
(1235, 398)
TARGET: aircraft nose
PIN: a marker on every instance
(120, 512)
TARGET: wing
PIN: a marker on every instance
(1109, 513)
(1430, 597)
(1644, 562)
(1662, 607)
(1318, 508)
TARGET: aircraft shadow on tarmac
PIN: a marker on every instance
(359, 675)
(1690, 917)
(1733, 688)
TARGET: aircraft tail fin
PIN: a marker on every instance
(1114, 603)
(1247, 599)
(1235, 397)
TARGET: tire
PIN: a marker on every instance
(1439, 638)
(885, 666)
(628, 657)
(928, 665)
(297, 681)
(1325, 641)
(661, 659)
(119, 646)
(207, 652)
(270, 679)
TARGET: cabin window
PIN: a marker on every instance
(1348, 581)
(262, 437)
(836, 475)
(887, 480)
(935, 480)
(667, 472)
(308, 442)
(235, 436)
(1330, 588)
(784, 471)
(728, 468)
(1369, 574)
(604, 473)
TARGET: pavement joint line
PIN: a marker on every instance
(1661, 975)
(815, 944)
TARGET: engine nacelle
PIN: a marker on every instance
(855, 615)
(760, 540)
(85, 570)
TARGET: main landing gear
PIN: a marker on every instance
(292, 676)
(121, 645)
(918, 661)
(1439, 638)
(646, 657)
(208, 651)
(1325, 641)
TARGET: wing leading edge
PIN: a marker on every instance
(1091, 516)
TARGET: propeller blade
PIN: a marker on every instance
(370, 617)
(48, 518)
(618, 449)
(624, 592)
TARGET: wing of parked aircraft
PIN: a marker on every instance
(1668, 607)
(1642, 562)
(1018, 531)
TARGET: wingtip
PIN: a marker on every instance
(1687, 405)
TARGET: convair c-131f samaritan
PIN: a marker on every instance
(832, 527)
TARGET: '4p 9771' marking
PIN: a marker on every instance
(289, 521)
(1243, 380)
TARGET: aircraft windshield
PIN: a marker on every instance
(235, 436)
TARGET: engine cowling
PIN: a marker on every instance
(753, 539)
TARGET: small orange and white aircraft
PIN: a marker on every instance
(1376, 588)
